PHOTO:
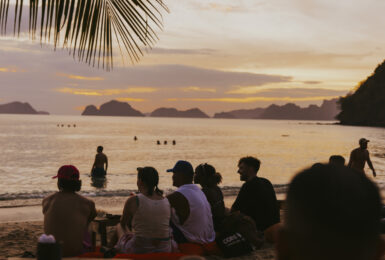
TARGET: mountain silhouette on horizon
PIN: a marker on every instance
(18, 107)
(173, 112)
(112, 108)
(327, 111)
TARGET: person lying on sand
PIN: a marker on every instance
(68, 214)
(332, 212)
(191, 217)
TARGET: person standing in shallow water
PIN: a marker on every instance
(100, 162)
(359, 156)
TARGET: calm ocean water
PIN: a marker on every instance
(34, 147)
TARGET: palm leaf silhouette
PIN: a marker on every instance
(89, 29)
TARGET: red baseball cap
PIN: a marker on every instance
(67, 172)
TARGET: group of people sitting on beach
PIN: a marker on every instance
(331, 212)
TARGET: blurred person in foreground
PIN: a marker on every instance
(68, 214)
(256, 197)
(359, 156)
(191, 218)
(209, 178)
(332, 213)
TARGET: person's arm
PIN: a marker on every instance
(181, 206)
(129, 211)
(350, 160)
(106, 164)
(370, 164)
(93, 165)
(93, 212)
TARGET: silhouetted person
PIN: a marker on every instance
(337, 160)
(62, 125)
(74, 125)
(191, 219)
(173, 142)
(165, 142)
(359, 156)
(256, 198)
(100, 162)
(135, 138)
(209, 178)
(158, 142)
(68, 214)
(331, 213)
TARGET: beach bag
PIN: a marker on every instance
(233, 244)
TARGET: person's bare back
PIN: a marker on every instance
(67, 216)
(100, 166)
(360, 156)
(100, 160)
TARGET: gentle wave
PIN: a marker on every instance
(227, 191)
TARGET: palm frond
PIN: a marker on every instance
(90, 29)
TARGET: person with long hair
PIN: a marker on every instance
(209, 178)
(145, 223)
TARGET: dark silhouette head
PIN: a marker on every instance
(363, 142)
(207, 176)
(149, 177)
(332, 212)
(183, 173)
(337, 160)
(248, 167)
(99, 149)
(68, 178)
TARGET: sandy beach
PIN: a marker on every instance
(20, 226)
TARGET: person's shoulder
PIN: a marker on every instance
(49, 197)
(85, 200)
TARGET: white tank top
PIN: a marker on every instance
(198, 228)
(152, 218)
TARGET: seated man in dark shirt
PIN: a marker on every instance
(256, 198)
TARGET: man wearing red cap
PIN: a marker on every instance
(68, 214)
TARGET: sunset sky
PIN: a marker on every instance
(217, 55)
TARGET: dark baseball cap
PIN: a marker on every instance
(182, 166)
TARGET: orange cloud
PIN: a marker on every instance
(198, 89)
(105, 92)
(80, 108)
(128, 99)
(4, 69)
(78, 77)
(253, 99)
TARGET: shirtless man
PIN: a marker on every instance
(68, 214)
(98, 169)
(359, 156)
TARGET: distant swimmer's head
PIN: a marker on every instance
(337, 160)
(332, 212)
(68, 178)
(248, 168)
(99, 149)
(206, 175)
(363, 143)
(183, 173)
(148, 179)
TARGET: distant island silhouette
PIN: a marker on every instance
(366, 106)
(172, 112)
(327, 111)
(20, 108)
(112, 108)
